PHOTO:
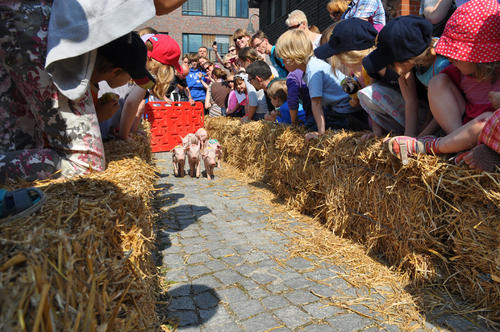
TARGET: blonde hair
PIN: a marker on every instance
(146, 30)
(278, 89)
(164, 75)
(294, 45)
(350, 58)
(297, 16)
(337, 6)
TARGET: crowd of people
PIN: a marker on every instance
(428, 83)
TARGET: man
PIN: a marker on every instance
(298, 20)
(261, 43)
(203, 52)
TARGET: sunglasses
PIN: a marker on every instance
(232, 50)
(292, 27)
(238, 38)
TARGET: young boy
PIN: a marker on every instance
(260, 76)
(194, 78)
(278, 93)
(330, 104)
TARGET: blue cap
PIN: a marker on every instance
(348, 35)
(401, 39)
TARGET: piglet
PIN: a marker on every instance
(218, 149)
(209, 156)
(194, 159)
(202, 136)
(189, 139)
(178, 160)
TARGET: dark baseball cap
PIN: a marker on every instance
(130, 54)
(401, 39)
(348, 35)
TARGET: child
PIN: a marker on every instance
(482, 135)
(459, 93)
(194, 80)
(163, 63)
(238, 98)
(277, 91)
(406, 45)
(296, 50)
(50, 123)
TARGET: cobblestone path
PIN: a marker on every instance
(225, 265)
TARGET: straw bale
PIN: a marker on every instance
(431, 220)
(83, 262)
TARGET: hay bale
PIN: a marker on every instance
(434, 221)
(83, 262)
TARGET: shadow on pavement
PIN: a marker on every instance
(188, 305)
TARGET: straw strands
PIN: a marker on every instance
(83, 262)
(432, 221)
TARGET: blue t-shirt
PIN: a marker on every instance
(322, 82)
(285, 114)
(281, 69)
(439, 64)
(194, 84)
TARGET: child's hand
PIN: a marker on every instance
(494, 97)
(311, 135)
(270, 117)
(354, 101)
(106, 110)
(245, 119)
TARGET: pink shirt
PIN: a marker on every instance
(232, 102)
(475, 92)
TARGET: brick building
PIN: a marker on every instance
(275, 12)
(201, 22)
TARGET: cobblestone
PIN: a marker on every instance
(230, 271)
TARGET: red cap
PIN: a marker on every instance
(472, 33)
(165, 50)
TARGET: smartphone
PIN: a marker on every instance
(214, 43)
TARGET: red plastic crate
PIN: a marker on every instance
(171, 122)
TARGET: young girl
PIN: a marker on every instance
(459, 93)
(405, 44)
(163, 62)
(238, 97)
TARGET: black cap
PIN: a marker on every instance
(130, 54)
(401, 39)
(348, 35)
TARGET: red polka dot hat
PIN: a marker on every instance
(472, 33)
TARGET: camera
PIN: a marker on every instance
(350, 85)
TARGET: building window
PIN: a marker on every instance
(241, 8)
(191, 43)
(222, 7)
(192, 7)
(222, 43)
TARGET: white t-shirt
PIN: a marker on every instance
(256, 98)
